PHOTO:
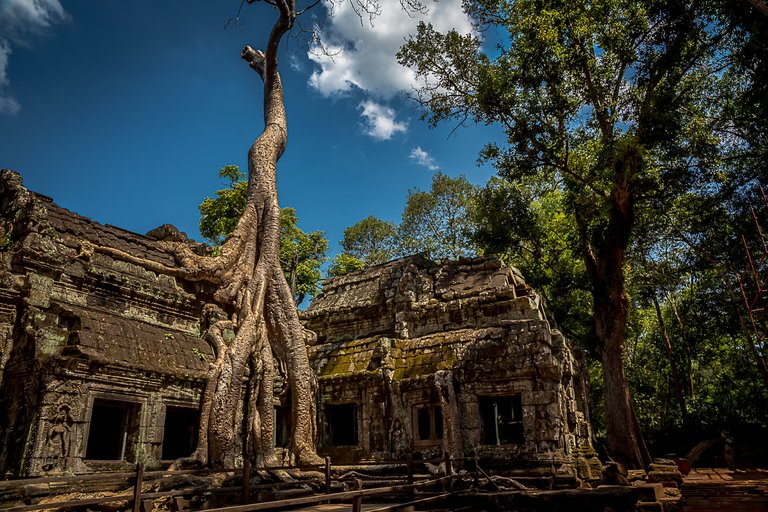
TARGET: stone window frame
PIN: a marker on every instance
(139, 403)
(433, 439)
(164, 401)
(178, 406)
(517, 405)
(357, 406)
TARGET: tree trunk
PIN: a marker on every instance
(688, 352)
(676, 382)
(625, 442)
(253, 294)
(605, 265)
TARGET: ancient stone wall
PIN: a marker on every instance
(102, 362)
(92, 350)
(457, 357)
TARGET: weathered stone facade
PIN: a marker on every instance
(468, 344)
(95, 354)
(102, 362)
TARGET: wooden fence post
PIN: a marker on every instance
(246, 482)
(448, 470)
(357, 504)
(409, 462)
(137, 487)
(328, 475)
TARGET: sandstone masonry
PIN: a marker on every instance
(102, 362)
(458, 357)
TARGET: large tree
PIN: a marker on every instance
(613, 100)
(301, 253)
(252, 323)
(437, 221)
(372, 241)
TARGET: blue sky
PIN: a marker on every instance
(125, 111)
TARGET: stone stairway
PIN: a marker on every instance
(724, 490)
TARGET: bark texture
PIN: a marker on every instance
(605, 267)
(254, 325)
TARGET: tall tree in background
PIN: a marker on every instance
(437, 221)
(532, 230)
(219, 214)
(610, 99)
(371, 241)
(301, 254)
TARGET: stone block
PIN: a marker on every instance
(671, 478)
(649, 492)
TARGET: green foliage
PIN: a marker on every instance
(532, 230)
(372, 241)
(438, 221)
(200, 354)
(640, 127)
(301, 254)
(344, 264)
(219, 215)
(6, 241)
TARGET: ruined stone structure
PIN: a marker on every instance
(102, 362)
(418, 357)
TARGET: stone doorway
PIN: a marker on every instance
(113, 430)
(180, 433)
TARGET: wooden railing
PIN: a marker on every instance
(138, 497)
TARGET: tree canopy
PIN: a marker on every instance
(371, 241)
(437, 221)
(626, 106)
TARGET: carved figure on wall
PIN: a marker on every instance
(398, 437)
(57, 440)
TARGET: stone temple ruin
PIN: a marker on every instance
(413, 356)
(102, 363)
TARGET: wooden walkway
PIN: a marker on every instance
(338, 507)
(724, 490)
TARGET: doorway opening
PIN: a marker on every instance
(113, 431)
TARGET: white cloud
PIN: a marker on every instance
(21, 21)
(423, 158)
(24, 18)
(9, 106)
(295, 63)
(5, 53)
(358, 55)
(362, 54)
(380, 120)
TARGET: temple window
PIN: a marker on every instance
(180, 433)
(341, 424)
(502, 419)
(427, 424)
(282, 433)
(113, 430)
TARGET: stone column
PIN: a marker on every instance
(451, 418)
